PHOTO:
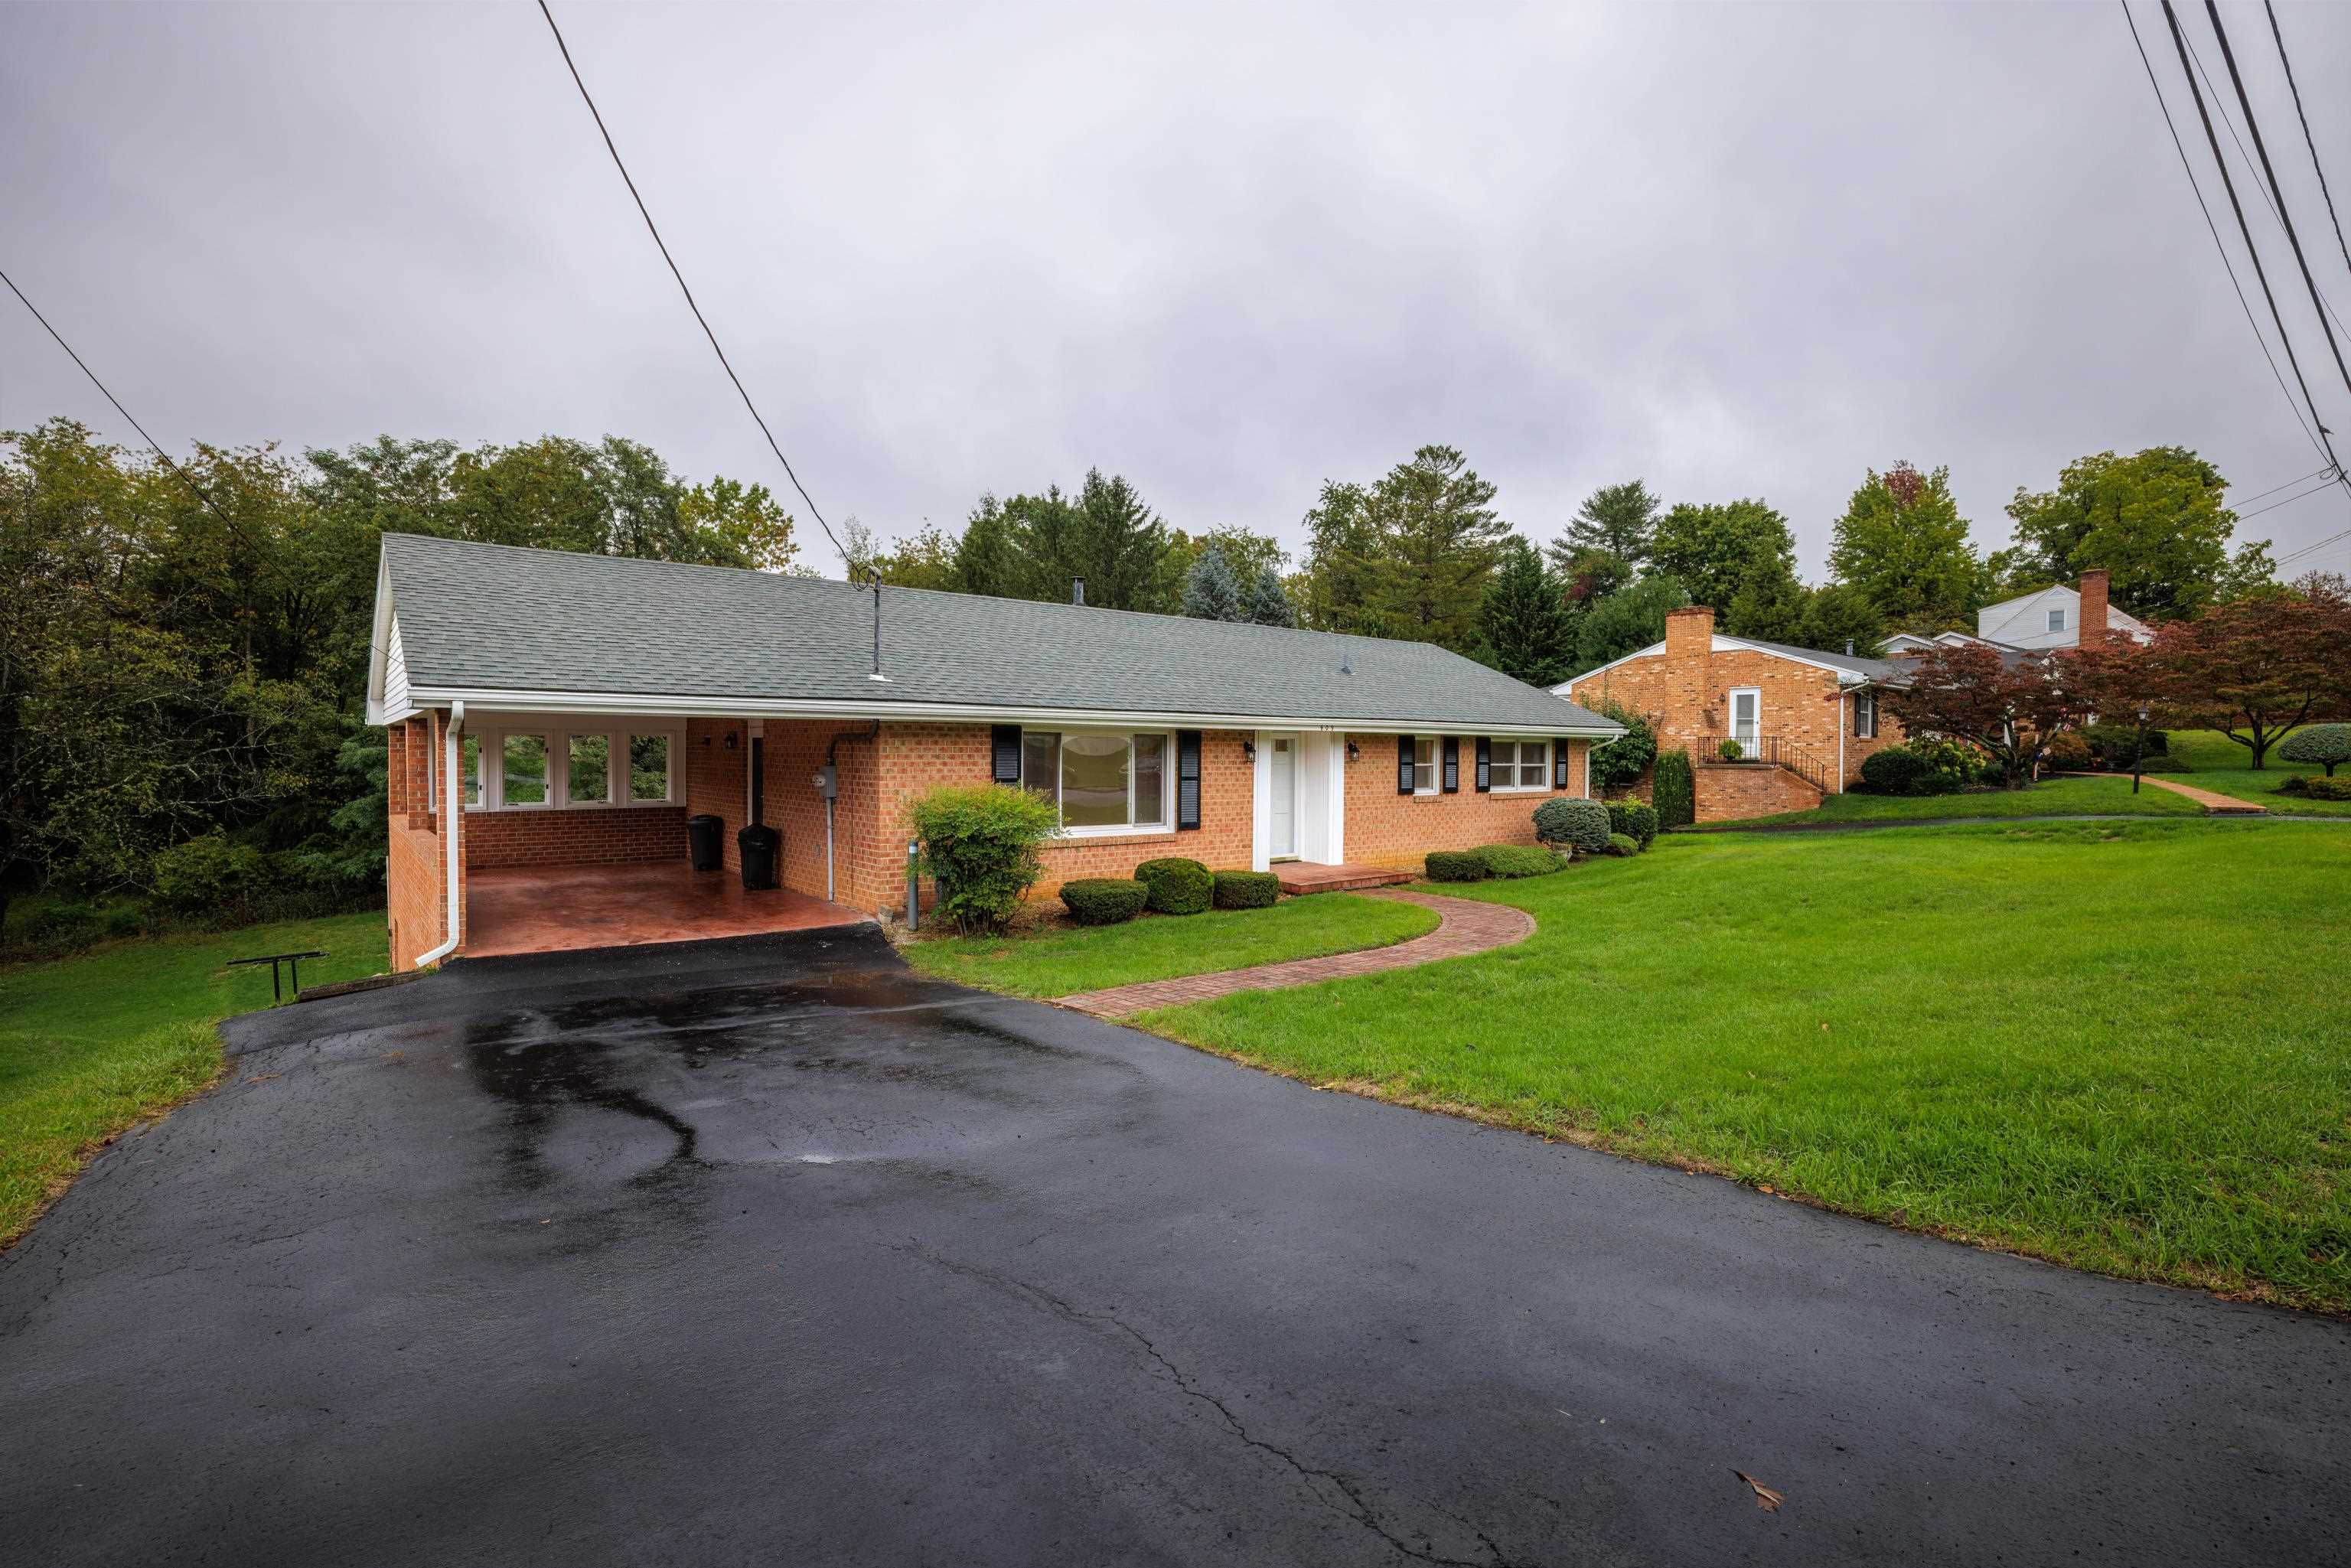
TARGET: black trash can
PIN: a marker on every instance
(758, 845)
(703, 838)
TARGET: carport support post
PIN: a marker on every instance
(914, 887)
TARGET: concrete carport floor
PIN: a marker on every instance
(767, 1250)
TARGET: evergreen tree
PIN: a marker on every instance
(1525, 630)
(1407, 556)
(1627, 622)
(1268, 605)
(1211, 592)
(1119, 546)
(1617, 520)
(1903, 542)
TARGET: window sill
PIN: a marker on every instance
(1520, 789)
(1100, 835)
(476, 810)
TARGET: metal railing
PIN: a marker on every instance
(1768, 751)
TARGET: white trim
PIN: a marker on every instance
(623, 704)
(490, 735)
(1722, 642)
(1518, 764)
(1130, 829)
(1329, 842)
(1260, 800)
(1435, 765)
(1730, 714)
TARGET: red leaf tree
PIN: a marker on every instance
(2010, 708)
(2256, 668)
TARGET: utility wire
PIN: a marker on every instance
(184, 476)
(659, 244)
(2197, 186)
(2179, 42)
(2290, 500)
(2287, 486)
(2229, 57)
(2314, 550)
(2308, 140)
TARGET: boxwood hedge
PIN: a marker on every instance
(1246, 889)
(1103, 900)
(1456, 866)
(1516, 859)
(1178, 886)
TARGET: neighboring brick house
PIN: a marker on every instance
(1802, 720)
(590, 706)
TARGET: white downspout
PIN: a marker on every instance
(453, 803)
(1844, 723)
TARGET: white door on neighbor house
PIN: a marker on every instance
(1747, 718)
(1282, 835)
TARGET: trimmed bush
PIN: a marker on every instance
(1178, 886)
(2113, 744)
(1517, 860)
(2295, 784)
(1456, 865)
(979, 844)
(2327, 745)
(1673, 790)
(2327, 788)
(1894, 770)
(1634, 820)
(1103, 900)
(1246, 890)
(1572, 824)
(2160, 765)
(1618, 844)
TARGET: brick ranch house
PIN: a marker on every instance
(587, 706)
(1804, 720)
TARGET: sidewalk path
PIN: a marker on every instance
(2215, 805)
(1464, 927)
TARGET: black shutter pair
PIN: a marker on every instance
(1485, 764)
(1452, 772)
(1188, 779)
(1004, 753)
(1559, 762)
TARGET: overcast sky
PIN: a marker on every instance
(1228, 253)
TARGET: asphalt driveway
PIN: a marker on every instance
(769, 1252)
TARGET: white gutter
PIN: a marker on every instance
(453, 811)
(681, 705)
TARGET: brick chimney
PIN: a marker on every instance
(1689, 631)
(2092, 630)
(1688, 683)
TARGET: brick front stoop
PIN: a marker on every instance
(1464, 927)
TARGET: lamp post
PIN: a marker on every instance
(2139, 752)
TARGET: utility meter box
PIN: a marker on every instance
(827, 780)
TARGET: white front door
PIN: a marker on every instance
(1282, 835)
(1747, 718)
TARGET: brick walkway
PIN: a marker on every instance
(2215, 805)
(1464, 927)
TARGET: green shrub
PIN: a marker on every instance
(1456, 865)
(1619, 844)
(2327, 788)
(1517, 860)
(1894, 770)
(1103, 900)
(2066, 752)
(2327, 745)
(1246, 890)
(1732, 751)
(2114, 745)
(1619, 764)
(212, 876)
(1572, 824)
(1951, 764)
(2158, 764)
(2295, 784)
(1178, 886)
(979, 843)
(1636, 820)
(1673, 792)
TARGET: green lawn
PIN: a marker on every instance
(92, 1044)
(1058, 962)
(2222, 765)
(2051, 798)
(2124, 1045)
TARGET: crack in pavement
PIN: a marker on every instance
(1356, 1507)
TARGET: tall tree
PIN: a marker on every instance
(1903, 542)
(1626, 622)
(1119, 547)
(1840, 618)
(2255, 668)
(1615, 519)
(2156, 521)
(1211, 591)
(1771, 605)
(1524, 629)
(1267, 601)
(1407, 556)
(1246, 553)
(1713, 551)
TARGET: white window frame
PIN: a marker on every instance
(2057, 618)
(491, 739)
(1130, 829)
(1730, 730)
(1435, 785)
(1865, 702)
(623, 772)
(1518, 745)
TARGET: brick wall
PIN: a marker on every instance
(584, 835)
(415, 907)
(1387, 829)
(1724, 792)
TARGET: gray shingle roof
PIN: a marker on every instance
(1876, 669)
(483, 618)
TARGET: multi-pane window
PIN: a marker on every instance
(1864, 715)
(649, 767)
(523, 778)
(588, 770)
(1519, 763)
(1425, 752)
(1102, 780)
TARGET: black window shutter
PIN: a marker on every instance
(1559, 762)
(1004, 753)
(1485, 764)
(1404, 764)
(1188, 779)
(1453, 764)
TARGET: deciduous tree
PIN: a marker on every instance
(1715, 550)
(2010, 709)
(2255, 668)
(2156, 521)
(1903, 542)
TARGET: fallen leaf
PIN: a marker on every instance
(1765, 1498)
(262, 1077)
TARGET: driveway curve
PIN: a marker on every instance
(769, 1251)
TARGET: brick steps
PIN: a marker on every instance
(1303, 876)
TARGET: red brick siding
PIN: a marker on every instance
(1387, 829)
(1726, 792)
(589, 835)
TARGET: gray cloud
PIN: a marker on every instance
(1227, 252)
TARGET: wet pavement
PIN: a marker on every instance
(769, 1251)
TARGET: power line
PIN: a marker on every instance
(184, 476)
(659, 244)
(2314, 550)
(2289, 485)
(2285, 340)
(2290, 500)
(2229, 264)
(2308, 140)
